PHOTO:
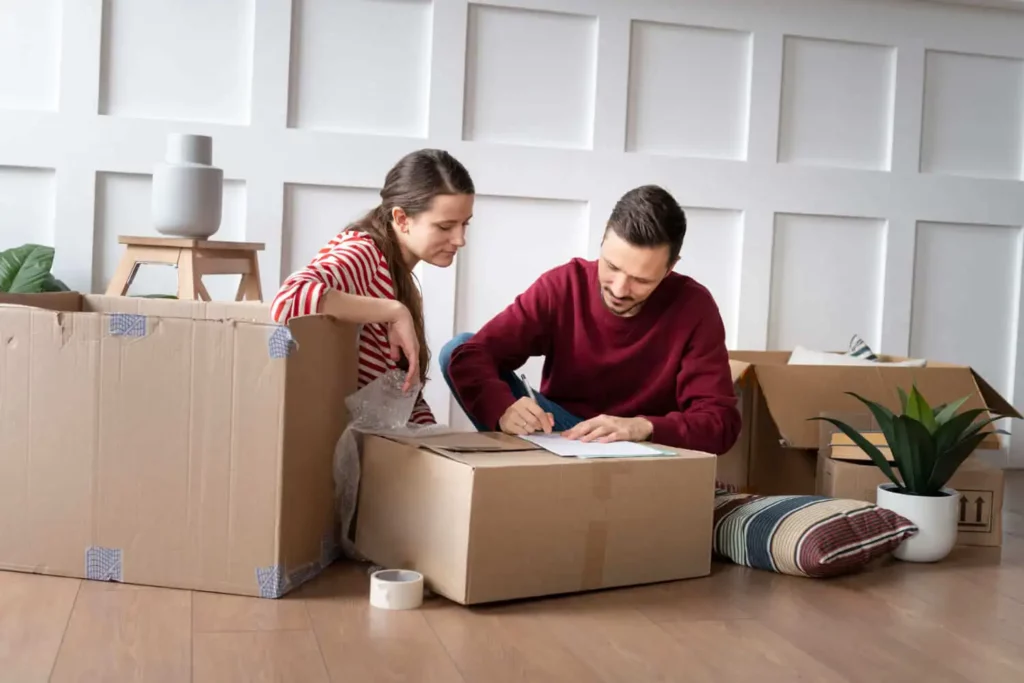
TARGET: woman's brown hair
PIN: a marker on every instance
(411, 185)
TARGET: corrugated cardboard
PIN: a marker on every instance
(169, 443)
(489, 518)
(783, 439)
(733, 466)
(846, 471)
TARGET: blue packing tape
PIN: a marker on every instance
(275, 582)
(281, 342)
(103, 564)
(272, 581)
(127, 325)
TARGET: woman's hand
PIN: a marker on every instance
(402, 337)
(367, 309)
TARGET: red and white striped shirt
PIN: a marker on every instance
(353, 264)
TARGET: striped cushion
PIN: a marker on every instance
(860, 349)
(804, 535)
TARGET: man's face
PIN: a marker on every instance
(629, 274)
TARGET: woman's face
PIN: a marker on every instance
(437, 234)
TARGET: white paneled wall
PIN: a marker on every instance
(847, 166)
(810, 251)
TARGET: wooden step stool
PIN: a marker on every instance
(194, 259)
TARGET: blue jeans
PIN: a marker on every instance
(563, 418)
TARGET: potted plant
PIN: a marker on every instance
(928, 445)
(26, 270)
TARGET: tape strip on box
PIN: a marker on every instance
(127, 325)
(281, 343)
(274, 581)
(103, 564)
(271, 581)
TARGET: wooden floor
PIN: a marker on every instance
(962, 620)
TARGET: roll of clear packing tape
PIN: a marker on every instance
(396, 589)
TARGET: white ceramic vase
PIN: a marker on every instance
(936, 518)
(188, 191)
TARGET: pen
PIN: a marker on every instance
(533, 396)
(529, 389)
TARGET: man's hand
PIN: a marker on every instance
(526, 417)
(605, 429)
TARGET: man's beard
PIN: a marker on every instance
(622, 313)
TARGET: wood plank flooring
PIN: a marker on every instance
(961, 620)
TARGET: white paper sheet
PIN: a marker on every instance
(568, 448)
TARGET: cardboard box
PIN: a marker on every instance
(488, 518)
(782, 457)
(169, 443)
(733, 466)
(846, 471)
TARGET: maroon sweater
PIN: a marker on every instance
(668, 363)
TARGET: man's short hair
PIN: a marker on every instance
(648, 216)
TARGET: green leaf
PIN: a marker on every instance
(944, 412)
(914, 452)
(873, 452)
(978, 426)
(949, 461)
(952, 431)
(883, 416)
(52, 284)
(965, 442)
(25, 269)
(919, 410)
(903, 400)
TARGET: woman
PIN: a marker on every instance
(364, 275)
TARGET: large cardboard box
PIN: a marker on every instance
(783, 440)
(733, 466)
(169, 443)
(846, 471)
(488, 518)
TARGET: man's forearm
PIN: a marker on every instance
(505, 343)
(475, 376)
(709, 430)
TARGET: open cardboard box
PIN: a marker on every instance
(846, 471)
(487, 517)
(169, 443)
(783, 441)
(733, 466)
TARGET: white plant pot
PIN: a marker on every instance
(188, 191)
(936, 518)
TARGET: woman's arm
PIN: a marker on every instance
(344, 283)
(341, 282)
(355, 308)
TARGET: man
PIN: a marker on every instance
(634, 351)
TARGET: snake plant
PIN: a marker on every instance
(927, 444)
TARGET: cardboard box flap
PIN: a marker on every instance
(761, 357)
(738, 369)
(69, 302)
(993, 399)
(466, 442)
(469, 442)
(796, 393)
(241, 311)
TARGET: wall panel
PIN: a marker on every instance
(872, 148)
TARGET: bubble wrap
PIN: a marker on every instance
(378, 408)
